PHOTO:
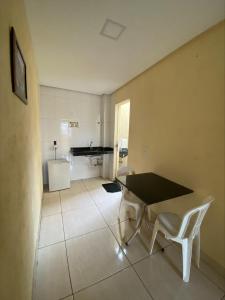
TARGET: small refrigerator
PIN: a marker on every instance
(58, 174)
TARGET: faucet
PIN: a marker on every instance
(91, 143)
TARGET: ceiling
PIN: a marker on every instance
(72, 54)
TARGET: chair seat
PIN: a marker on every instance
(170, 221)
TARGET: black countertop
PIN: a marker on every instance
(152, 188)
(86, 151)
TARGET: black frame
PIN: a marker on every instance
(18, 68)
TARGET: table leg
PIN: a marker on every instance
(137, 229)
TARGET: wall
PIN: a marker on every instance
(177, 128)
(59, 107)
(107, 125)
(20, 163)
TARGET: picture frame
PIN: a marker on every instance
(18, 69)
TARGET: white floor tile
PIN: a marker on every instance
(51, 230)
(71, 200)
(51, 204)
(162, 275)
(124, 285)
(77, 186)
(139, 246)
(102, 198)
(48, 195)
(52, 280)
(110, 210)
(94, 257)
(136, 250)
(82, 221)
(92, 183)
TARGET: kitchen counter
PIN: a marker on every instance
(90, 151)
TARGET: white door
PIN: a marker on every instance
(121, 137)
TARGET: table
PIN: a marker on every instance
(151, 188)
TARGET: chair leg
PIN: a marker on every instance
(138, 212)
(187, 253)
(197, 249)
(149, 213)
(154, 234)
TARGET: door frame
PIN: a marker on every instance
(116, 131)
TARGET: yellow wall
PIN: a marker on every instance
(20, 163)
(177, 128)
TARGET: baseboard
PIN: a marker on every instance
(220, 270)
(36, 250)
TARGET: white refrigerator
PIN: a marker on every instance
(58, 174)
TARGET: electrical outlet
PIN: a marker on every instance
(74, 124)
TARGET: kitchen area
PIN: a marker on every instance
(77, 136)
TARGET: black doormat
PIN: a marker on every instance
(112, 187)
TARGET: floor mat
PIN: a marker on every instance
(112, 187)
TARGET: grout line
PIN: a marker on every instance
(86, 189)
(74, 237)
(71, 295)
(64, 241)
(148, 255)
(79, 209)
(43, 217)
(131, 265)
(68, 267)
(148, 292)
(101, 280)
(84, 234)
(51, 244)
(117, 238)
(107, 226)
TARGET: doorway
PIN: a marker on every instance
(121, 137)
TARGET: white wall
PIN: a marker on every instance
(58, 107)
(107, 121)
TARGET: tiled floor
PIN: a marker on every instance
(81, 256)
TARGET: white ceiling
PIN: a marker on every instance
(71, 53)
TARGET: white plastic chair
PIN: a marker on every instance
(128, 198)
(183, 232)
(125, 170)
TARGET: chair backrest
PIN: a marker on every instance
(200, 212)
(123, 171)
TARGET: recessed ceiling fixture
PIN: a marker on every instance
(112, 29)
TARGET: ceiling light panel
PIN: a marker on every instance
(112, 29)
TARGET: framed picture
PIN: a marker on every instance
(18, 68)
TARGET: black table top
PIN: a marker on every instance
(152, 188)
